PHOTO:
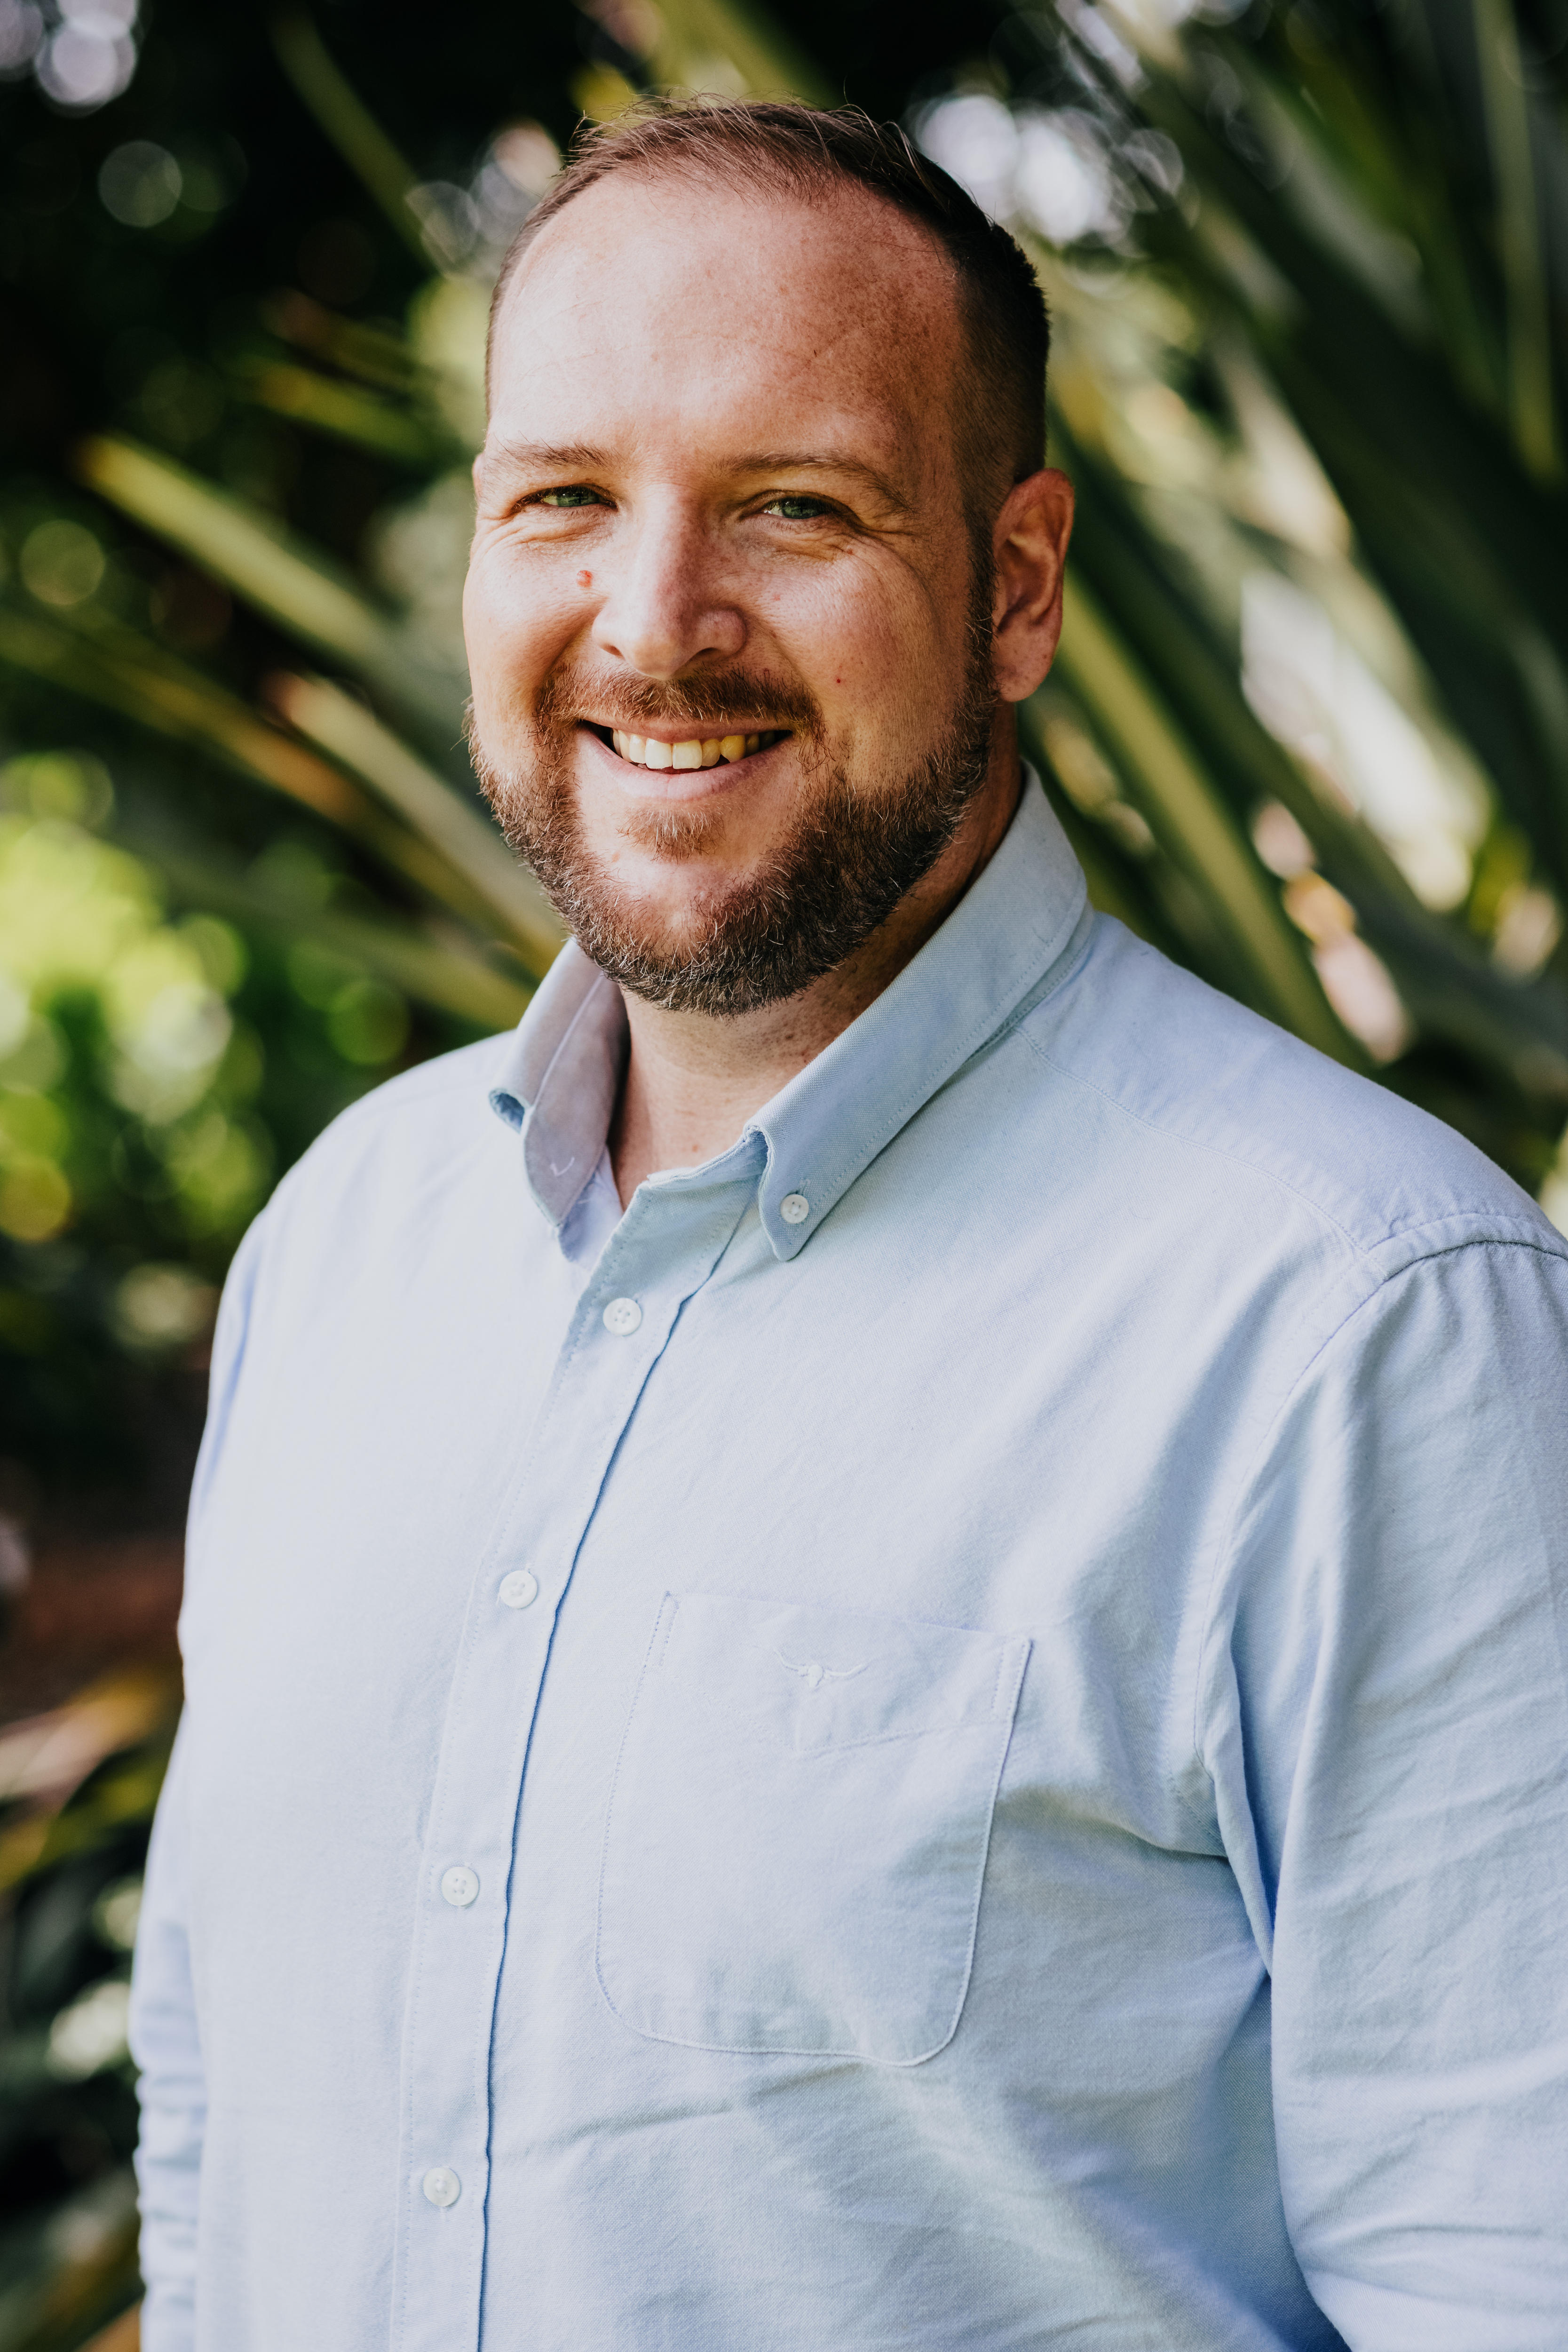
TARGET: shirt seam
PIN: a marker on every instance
(1247, 1480)
(1203, 1143)
(1360, 1250)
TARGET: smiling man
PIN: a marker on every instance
(875, 1623)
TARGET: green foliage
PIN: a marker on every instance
(155, 1067)
(77, 1790)
(1309, 385)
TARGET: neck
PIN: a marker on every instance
(692, 1080)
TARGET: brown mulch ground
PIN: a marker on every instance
(88, 1604)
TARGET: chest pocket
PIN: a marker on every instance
(798, 1830)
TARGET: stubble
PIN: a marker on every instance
(852, 853)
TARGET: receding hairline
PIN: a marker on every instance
(773, 149)
(818, 192)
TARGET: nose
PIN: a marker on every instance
(665, 608)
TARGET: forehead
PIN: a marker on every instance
(656, 306)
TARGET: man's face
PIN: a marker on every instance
(729, 653)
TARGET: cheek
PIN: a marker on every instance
(881, 665)
(516, 626)
(484, 620)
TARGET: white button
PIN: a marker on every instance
(441, 2186)
(794, 1208)
(518, 1589)
(460, 1885)
(622, 1317)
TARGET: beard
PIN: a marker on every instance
(849, 856)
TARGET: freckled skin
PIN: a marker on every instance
(674, 344)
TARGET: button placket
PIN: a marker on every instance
(664, 1251)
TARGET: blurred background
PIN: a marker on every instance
(1309, 731)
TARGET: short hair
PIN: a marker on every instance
(771, 147)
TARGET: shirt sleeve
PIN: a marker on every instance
(165, 2041)
(166, 2046)
(1387, 1727)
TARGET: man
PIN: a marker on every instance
(873, 1640)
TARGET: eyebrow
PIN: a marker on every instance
(544, 457)
(576, 457)
(795, 461)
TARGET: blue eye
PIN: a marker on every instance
(795, 509)
(577, 495)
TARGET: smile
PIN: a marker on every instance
(698, 752)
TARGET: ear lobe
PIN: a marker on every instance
(1030, 553)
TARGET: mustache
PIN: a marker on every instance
(711, 702)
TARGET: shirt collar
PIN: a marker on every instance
(1008, 941)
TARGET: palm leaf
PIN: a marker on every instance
(275, 571)
(1189, 818)
(356, 739)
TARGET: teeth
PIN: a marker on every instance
(646, 751)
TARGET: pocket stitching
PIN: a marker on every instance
(665, 1623)
(1015, 1649)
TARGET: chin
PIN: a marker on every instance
(667, 926)
(644, 848)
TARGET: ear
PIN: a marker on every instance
(1030, 551)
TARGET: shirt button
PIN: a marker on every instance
(441, 2186)
(622, 1317)
(460, 1885)
(794, 1208)
(518, 1589)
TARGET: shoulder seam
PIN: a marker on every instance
(1226, 1546)
(1361, 1250)
(1198, 1144)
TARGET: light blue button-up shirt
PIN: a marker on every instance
(951, 1733)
